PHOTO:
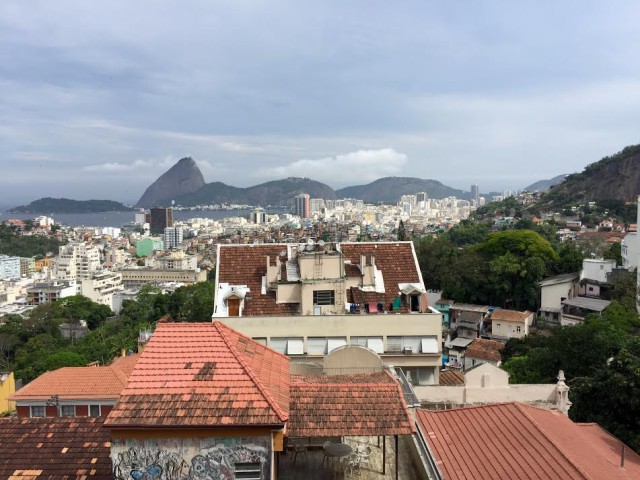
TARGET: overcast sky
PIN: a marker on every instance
(97, 99)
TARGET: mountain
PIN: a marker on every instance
(390, 189)
(544, 185)
(65, 205)
(613, 178)
(183, 178)
(277, 192)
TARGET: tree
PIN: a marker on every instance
(570, 259)
(610, 396)
(64, 359)
(614, 253)
(402, 232)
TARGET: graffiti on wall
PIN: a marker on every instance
(188, 458)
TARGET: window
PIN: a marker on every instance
(497, 327)
(429, 344)
(37, 411)
(68, 410)
(324, 297)
(295, 346)
(94, 410)
(333, 343)
(518, 329)
(247, 471)
(374, 343)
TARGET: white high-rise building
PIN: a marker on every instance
(101, 287)
(9, 267)
(76, 261)
(172, 237)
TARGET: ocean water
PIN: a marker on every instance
(118, 219)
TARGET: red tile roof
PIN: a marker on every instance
(483, 349)
(54, 448)
(125, 364)
(513, 440)
(396, 260)
(246, 265)
(337, 405)
(71, 383)
(510, 315)
(451, 377)
(204, 374)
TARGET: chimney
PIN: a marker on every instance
(563, 404)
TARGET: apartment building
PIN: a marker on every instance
(9, 267)
(306, 300)
(100, 287)
(76, 261)
(48, 292)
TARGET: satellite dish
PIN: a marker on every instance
(311, 242)
(321, 243)
(283, 253)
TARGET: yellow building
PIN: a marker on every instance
(7, 388)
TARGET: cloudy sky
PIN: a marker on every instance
(97, 99)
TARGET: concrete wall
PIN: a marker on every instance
(460, 395)
(188, 458)
(346, 326)
(551, 296)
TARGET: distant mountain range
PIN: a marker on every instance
(180, 181)
(544, 185)
(613, 178)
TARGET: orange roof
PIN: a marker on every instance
(510, 315)
(485, 350)
(125, 364)
(47, 448)
(337, 405)
(513, 440)
(71, 383)
(204, 374)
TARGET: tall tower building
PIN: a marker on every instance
(161, 218)
(301, 206)
(172, 237)
(475, 193)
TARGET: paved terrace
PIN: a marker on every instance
(309, 466)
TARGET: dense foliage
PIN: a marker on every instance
(32, 346)
(472, 264)
(13, 244)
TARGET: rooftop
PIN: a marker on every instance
(505, 315)
(593, 304)
(48, 448)
(513, 440)
(357, 404)
(204, 374)
(482, 349)
(469, 307)
(70, 383)
(565, 277)
(451, 377)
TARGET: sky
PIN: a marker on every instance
(98, 99)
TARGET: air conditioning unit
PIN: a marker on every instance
(407, 350)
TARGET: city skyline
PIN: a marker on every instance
(98, 102)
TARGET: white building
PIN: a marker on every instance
(76, 261)
(172, 237)
(48, 292)
(100, 287)
(630, 251)
(9, 267)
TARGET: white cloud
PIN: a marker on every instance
(137, 166)
(361, 166)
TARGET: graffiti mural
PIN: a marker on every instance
(209, 458)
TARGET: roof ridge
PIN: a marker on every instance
(521, 407)
(120, 375)
(239, 357)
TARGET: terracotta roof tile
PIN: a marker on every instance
(204, 374)
(395, 260)
(513, 440)
(510, 315)
(483, 349)
(451, 377)
(336, 405)
(247, 264)
(54, 448)
(76, 383)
